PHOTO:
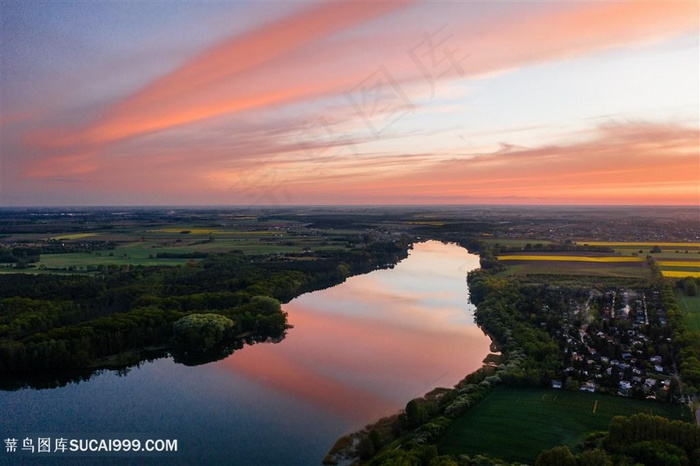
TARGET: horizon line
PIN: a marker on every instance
(292, 206)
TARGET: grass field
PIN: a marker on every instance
(640, 244)
(430, 223)
(139, 245)
(516, 424)
(638, 270)
(82, 260)
(215, 231)
(691, 306)
(144, 252)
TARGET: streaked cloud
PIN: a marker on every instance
(388, 80)
(620, 163)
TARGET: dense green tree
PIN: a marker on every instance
(557, 456)
(416, 414)
(690, 287)
(658, 453)
(443, 461)
(266, 305)
(202, 331)
(595, 457)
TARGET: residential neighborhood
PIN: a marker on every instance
(617, 342)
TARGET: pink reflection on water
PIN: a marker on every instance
(364, 348)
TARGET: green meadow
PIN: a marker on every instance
(516, 424)
(140, 245)
(615, 269)
(691, 307)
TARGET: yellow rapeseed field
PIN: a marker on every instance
(74, 236)
(679, 263)
(680, 273)
(569, 258)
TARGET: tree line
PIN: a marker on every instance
(59, 322)
(640, 439)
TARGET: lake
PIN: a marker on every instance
(357, 351)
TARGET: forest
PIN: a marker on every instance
(62, 322)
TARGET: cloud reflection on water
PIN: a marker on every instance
(362, 349)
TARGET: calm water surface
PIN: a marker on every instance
(358, 351)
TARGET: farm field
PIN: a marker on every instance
(515, 242)
(638, 270)
(676, 260)
(643, 244)
(691, 306)
(145, 253)
(679, 264)
(679, 268)
(72, 236)
(666, 251)
(591, 264)
(568, 258)
(680, 273)
(141, 244)
(537, 419)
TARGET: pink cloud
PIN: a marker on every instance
(620, 163)
(220, 80)
(315, 53)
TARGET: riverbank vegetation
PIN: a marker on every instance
(535, 320)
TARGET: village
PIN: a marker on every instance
(617, 342)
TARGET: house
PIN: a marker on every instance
(588, 387)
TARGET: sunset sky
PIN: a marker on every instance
(279, 103)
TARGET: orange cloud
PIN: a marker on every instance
(615, 164)
(622, 164)
(293, 60)
(68, 164)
